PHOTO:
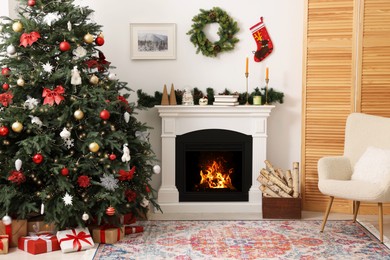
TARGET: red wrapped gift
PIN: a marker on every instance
(128, 219)
(4, 244)
(75, 240)
(133, 229)
(39, 244)
(107, 235)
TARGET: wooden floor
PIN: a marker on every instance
(371, 220)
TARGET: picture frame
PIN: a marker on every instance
(152, 41)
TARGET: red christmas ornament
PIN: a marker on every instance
(64, 46)
(5, 72)
(31, 2)
(27, 39)
(104, 114)
(4, 131)
(65, 171)
(112, 157)
(99, 41)
(38, 158)
(110, 211)
(5, 86)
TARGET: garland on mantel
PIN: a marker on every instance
(147, 101)
(226, 31)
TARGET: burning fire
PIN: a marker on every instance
(215, 177)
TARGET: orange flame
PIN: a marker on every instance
(215, 178)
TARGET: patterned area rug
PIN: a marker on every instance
(264, 239)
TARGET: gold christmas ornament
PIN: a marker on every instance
(94, 147)
(17, 26)
(94, 80)
(88, 38)
(17, 127)
(78, 114)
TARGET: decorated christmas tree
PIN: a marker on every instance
(71, 148)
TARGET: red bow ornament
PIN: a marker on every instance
(29, 38)
(6, 98)
(126, 175)
(52, 96)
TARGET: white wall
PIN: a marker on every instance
(284, 21)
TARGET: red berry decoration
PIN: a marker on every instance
(38, 158)
(110, 211)
(5, 86)
(104, 114)
(65, 171)
(112, 157)
(31, 2)
(4, 131)
(99, 41)
(64, 46)
(5, 72)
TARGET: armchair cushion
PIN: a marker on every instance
(373, 166)
(334, 167)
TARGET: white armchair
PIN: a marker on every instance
(335, 173)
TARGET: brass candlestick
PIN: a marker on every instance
(247, 97)
(266, 91)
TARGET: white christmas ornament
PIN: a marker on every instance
(51, 18)
(42, 209)
(30, 103)
(18, 164)
(126, 153)
(7, 220)
(75, 79)
(67, 199)
(11, 50)
(36, 120)
(112, 76)
(126, 115)
(47, 67)
(85, 216)
(69, 26)
(142, 136)
(157, 169)
(65, 134)
(79, 52)
(144, 203)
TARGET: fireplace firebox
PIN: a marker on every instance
(213, 165)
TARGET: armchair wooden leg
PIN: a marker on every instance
(380, 216)
(331, 198)
(356, 209)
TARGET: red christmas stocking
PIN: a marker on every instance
(263, 41)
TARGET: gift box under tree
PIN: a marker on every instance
(77, 239)
(107, 235)
(3, 244)
(39, 244)
(16, 229)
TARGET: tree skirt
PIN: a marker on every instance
(293, 239)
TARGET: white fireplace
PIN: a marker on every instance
(178, 120)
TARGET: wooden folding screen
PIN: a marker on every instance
(346, 69)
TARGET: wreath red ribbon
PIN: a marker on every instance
(76, 239)
(29, 38)
(52, 96)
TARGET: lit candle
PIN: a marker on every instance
(246, 65)
(266, 73)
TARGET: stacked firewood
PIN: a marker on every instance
(278, 183)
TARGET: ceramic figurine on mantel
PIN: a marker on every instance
(172, 97)
(164, 99)
(188, 99)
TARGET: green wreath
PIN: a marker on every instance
(226, 32)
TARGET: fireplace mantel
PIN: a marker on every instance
(180, 119)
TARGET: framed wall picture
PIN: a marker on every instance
(152, 41)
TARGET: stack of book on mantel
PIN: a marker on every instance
(225, 100)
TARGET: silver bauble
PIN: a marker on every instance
(11, 50)
(7, 220)
(85, 216)
(157, 169)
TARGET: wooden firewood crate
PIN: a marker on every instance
(282, 208)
